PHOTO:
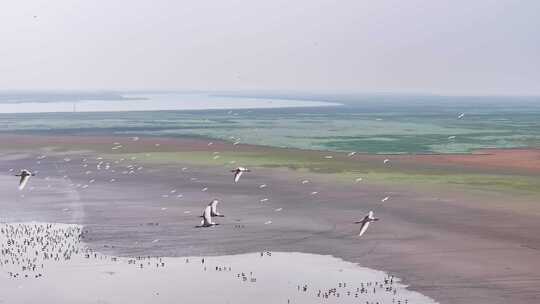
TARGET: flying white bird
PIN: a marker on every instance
(238, 172)
(358, 179)
(351, 154)
(365, 222)
(207, 217)
(328, 157)
(461, 115)
(452, 137)
(385, 199)
(305, 181)
(213, 205)
(25, 176)
(262, 186)
(386, 161)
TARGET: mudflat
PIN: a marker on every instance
(456, 242)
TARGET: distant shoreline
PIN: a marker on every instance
(65, 103)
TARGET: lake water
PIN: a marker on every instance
(155, 102)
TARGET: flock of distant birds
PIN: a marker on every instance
(210, 210)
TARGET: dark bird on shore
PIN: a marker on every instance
(365, 222)
(25, 176)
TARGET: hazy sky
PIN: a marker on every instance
(449, 47)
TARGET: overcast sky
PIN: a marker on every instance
(430, 46)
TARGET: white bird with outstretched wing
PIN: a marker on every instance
(238, 172)
(25, 176)
(365, 222)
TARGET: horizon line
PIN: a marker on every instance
(271, 91)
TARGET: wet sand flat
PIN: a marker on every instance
(33, 267)
(456, 247)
